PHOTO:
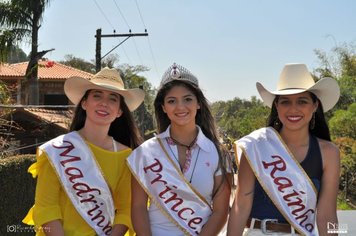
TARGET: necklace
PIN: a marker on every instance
(184, 170)
(184, 145)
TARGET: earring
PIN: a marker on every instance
(277, 124)
(312, 122)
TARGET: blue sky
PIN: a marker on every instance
(229, 44)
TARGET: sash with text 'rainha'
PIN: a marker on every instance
(281, 177)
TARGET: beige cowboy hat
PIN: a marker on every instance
(106, 79)
(295, 78)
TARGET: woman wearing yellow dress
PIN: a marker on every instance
(83, 183)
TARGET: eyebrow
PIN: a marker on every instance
(185, 96)
(111, 94)
(301, 97)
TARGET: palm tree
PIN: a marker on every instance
(19, 20)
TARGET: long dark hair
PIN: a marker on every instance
(320, 129)
(123, 129)
(204, 118)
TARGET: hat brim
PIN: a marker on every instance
(76, 87)
(327, 90)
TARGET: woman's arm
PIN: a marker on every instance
(326, 207)
(242, 205)
(53, 228)
(218, 217)
(119, 230)
(139, 212)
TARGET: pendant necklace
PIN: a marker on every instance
(187, 152)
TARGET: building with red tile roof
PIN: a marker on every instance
(52, 76)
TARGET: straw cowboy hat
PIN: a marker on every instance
(106, 79)
(295, 78)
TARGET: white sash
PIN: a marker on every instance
(168, 188)
(282, 177)
(82, 180)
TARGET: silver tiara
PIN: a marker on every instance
(177, 72)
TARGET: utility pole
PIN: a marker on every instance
(98, 37)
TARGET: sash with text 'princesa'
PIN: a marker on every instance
(167, 187)
(282, 177)
(82, 180)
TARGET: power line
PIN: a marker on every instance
(149, 42)
(122, 15)
(153, 57)
(137, 51)
(139, 11)
(102, 12)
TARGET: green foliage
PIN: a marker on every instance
(343, 123)
(5, 95)
(144, 114)
(340, 64)
(17, 191)
(16, 55)
(78, 63)
(342, 204)
(17, 20)
(239, 117)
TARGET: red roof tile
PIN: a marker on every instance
(6, 70)
(47, 70)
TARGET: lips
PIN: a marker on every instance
(181, 114)
(102, 113)
(294, 118)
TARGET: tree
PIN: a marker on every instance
(78, 63)
(20, 20)
(239, 117)
(16, 55)
(144, 114)
(340, 64)
(343, 123)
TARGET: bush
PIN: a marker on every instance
(17, 194)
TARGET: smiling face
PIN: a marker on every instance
(102, 107)
(295, 111)
(181, 105)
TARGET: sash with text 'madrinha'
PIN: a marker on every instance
(82, 180)
(282, 177)
(167, 187)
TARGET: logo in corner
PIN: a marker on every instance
(336, 228)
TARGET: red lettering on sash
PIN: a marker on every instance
(107, 229)
(158, 179)
(166, 190)
(169, 195)
(180, 213)
(174, 198)
(195, 221)
(155, 167)
(99, 216)
(82, 189)
(86, 189)
(305, 217)
(291, 196)
(73, 175)
(68, 148)
(279, 164)
(278, 181)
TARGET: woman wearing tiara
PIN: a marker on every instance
(181, 171)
